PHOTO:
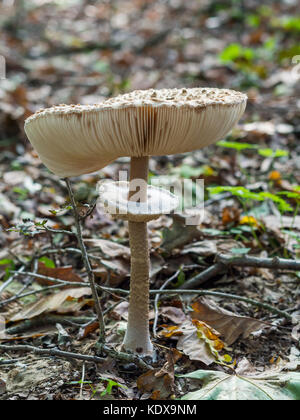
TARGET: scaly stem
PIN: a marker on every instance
(137, 338)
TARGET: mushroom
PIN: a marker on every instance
(77, 139)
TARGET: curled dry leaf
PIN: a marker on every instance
(229, 325)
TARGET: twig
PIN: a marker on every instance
(249, 261)
(11, 279)
(59, 284)
(201, 292)
(9, 362)
(86, 262)
(76, 251)
(52, 352)
(124, 357)
(157, 298)
(223, 261)
(55, 231)
(204, 276)
(48, 319)
(90, 210)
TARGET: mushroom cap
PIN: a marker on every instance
(76, 139)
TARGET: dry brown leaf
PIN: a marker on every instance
(118, 268)
(229, 325)
(193, 346)
(85, 331)
(41, 332)
(159, 382)
(210, 247)
(109, 248)
(230, 215)
(121, 311)
(57, 302)
(61, 273)
(176, 315)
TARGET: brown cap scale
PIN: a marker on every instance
(76, 139)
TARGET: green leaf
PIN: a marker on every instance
(180, 279)
(265, 386)
(290, 194)
(273, 153)
(281, 204)
(241, 192)
(48, 262)
(291, 23)
(236, 145)
(236, 51)
(11, 266)
(6, 261)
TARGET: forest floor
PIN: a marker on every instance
(84, 52)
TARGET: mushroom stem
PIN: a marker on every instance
(137, 337)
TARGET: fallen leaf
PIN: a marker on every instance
(229, 325)
(230, 215)
(159, 382)
(266, 386)
(174, 314)
(61, 273)
(85, 331)
(109, 248)
(211, 247)
(199, 342)
(57, 302)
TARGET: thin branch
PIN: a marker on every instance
(204, 276)
(157, 298)
(48, 319)
(52, 352)
(124, 357)
(249, 261)
(11, 279)
(114, 291)
(58, 284)
(224, 261)
(86, 262)
(55, 231)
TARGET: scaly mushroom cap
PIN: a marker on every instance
(76, 139)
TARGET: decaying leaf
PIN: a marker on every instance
(62, 302)
(174, 314)
(211, 247)
(159, 383)
(265, 386)
(200, 342)
(62, 273)
(109, 248)
(229, 325)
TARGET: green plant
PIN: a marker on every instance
(245, 196)
(109, 387)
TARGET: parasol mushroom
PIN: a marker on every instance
(77, 139)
